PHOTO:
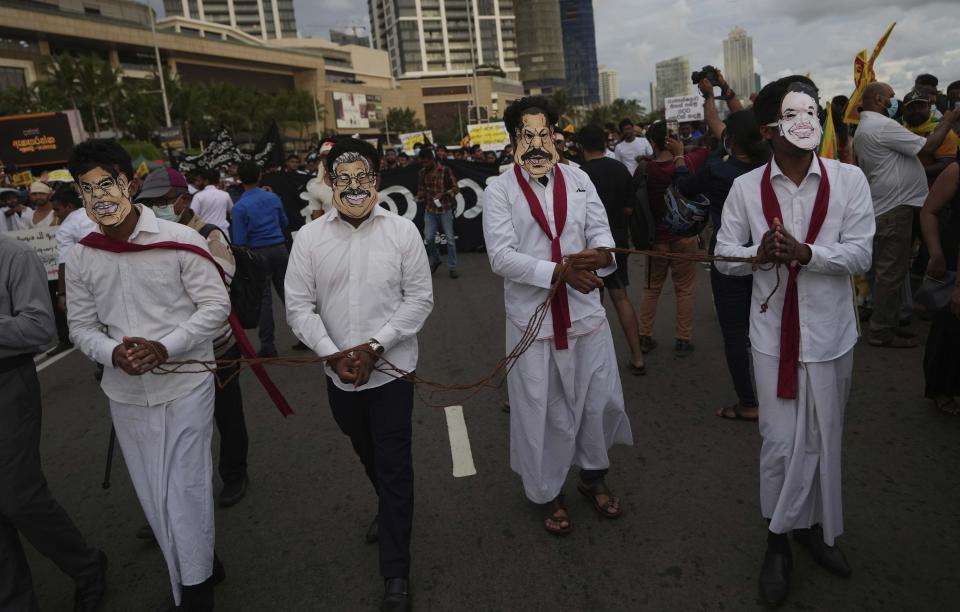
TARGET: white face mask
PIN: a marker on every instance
(166, 213)
(799, 123)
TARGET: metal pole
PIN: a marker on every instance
(163, 81)
(473, 60)
(316, 117)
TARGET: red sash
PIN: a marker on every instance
(790, 318)
(560, 305)
(95, 240)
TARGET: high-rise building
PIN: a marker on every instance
(738, 63)
(540, 49)
(346, 38)
(261, 18)
(445, 37)
(609, 87)
(757, 83)
(673, 79)
(580, 51)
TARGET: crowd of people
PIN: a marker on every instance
(788, 229)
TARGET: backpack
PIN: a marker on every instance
(249, 280)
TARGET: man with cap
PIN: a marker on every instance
(141, 290)
(166, 192)
(42, 214)
(893, 159)
(12, 209)
(918, 117)
(812, 218)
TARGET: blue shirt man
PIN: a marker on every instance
(258, 222)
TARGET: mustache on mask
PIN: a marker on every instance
(533, 153)
(358, 193)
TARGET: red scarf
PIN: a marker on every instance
(790, 318)
(105, 243)
(560, 306)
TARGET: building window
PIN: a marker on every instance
(12, 77)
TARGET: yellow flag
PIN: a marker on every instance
(142, 170)
(867, 76)
(828, 146)
(859, 63)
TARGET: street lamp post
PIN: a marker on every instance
(163, 82)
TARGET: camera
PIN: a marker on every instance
(707, 72)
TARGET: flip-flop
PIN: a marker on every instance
(724, 413)
(591, 491)
(550, 510)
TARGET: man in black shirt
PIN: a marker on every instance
(615, 187)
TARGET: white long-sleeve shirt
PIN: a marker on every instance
(73, 229)
(844, 246)
(174, 297)
(213, 204)
(520, 252)
(347, 285)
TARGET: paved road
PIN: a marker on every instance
(692, 537)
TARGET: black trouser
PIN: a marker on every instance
(941, 357)
(27, 507)
(228, 413)
(731, 297)
(378, 422)
(60, 317)
(275, 260)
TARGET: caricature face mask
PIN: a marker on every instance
(354, 185)
(105, 198)
(535, 151)
(799, 123)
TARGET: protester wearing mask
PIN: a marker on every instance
(743, 150)
(892, 158)
(919, 119)
(165, 192)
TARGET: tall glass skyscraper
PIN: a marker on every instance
(580, 51)
(261, 18)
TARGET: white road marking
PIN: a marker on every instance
(52, 360)
(459, 443)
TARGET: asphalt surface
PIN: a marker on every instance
(691, 538)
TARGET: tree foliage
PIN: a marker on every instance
(133, 107)
(615, 111)
(403, 120)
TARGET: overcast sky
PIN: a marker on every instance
(819, 36)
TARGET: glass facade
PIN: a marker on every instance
(580, 51)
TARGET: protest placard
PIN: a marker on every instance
(683, 108)
(490, 136)
(408, 140)
(43, 241)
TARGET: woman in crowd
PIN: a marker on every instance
(940, 222)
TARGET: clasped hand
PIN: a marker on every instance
(136, 356)
(583, 265)
(355, 367)
(778, 246)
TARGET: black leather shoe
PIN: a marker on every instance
(831, 558)
(90, 592)
(775, 577)
(233, 492)
(219, 574)
(396, 595)
(373, 532)
(197, 598)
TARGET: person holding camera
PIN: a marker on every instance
(743, 149)
(668, 153)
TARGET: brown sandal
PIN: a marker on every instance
(600, 488)
(550, 513)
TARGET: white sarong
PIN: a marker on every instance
(566, 408)
(800, 454)
(167, 450)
